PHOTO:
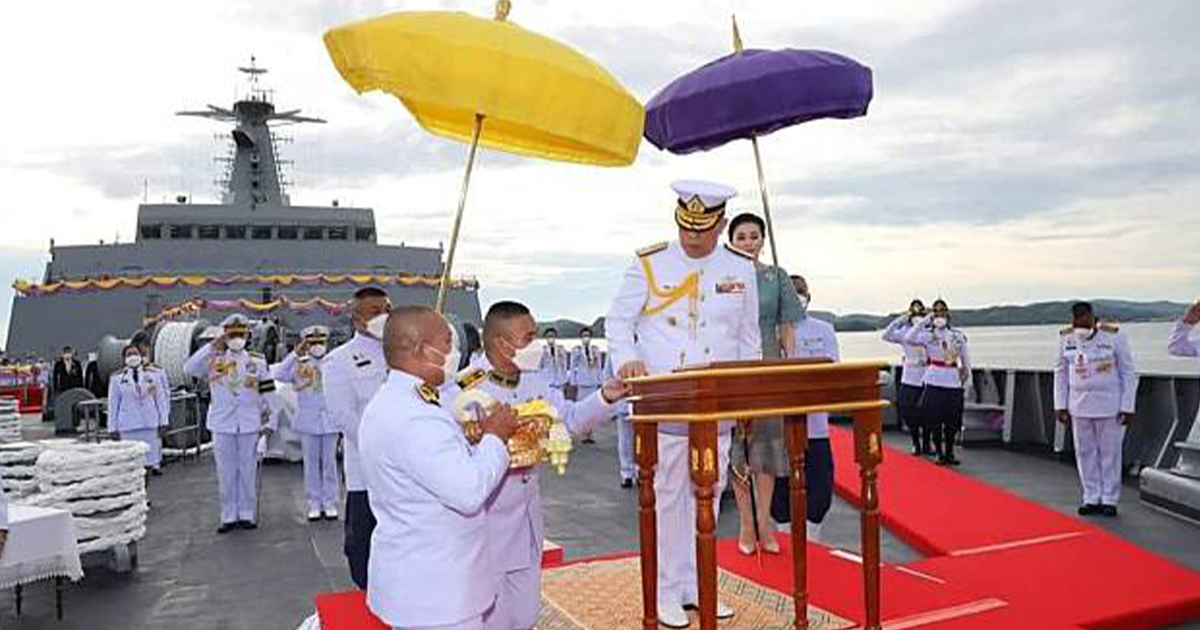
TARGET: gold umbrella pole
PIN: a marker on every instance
(443, 288)
(762, 189)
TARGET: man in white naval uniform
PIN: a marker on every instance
(1095, 389)
(816, 338)
(685, 303)
(627, 467)
(351, 375)
(430, 564)
(237, 415)
(587, 371)
(318, 434)
(139, 404)
(508, 372)
(556, 361)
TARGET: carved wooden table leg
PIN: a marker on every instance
(702, 458)
(796, 434)
(868, 452)
(645, 448)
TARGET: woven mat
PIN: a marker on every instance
(607, 595)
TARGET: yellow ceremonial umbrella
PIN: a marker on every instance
(491, 82)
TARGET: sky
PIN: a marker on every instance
(1015, 150)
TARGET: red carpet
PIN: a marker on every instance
(996, 562)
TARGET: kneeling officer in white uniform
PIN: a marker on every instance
(508, 372)
(430, 565)
(1095, 388)
(237, 415)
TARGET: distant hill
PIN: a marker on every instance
(1006, 315)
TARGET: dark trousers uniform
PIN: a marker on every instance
(942, 408)
(818, 484)
(360, 522)
(908, 407)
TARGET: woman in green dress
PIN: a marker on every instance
(779, 309)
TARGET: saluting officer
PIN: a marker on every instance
(912, 378)
(508, 372)
(685, 303)
(352, 374)
(139, 405)
(587, 370)
(237, 415)
(1182, 344)
(1095, 388)
(945, 380)
(318, 434)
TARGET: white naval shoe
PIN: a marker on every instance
(814, 531)
(331, 513)
(314, 514)
(673, 616)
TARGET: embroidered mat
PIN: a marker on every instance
(607, 595)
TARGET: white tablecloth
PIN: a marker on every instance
(41, 545)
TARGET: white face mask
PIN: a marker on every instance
(585, 340)
(529, 358)
(1082, 333)
(317, 351)
(376, 325)
(449, 364)
(804, 300)
(133, 361)
(940, 322)
(237, 344)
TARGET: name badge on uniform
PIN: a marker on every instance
(731, 284)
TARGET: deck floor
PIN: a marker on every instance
(189, 578)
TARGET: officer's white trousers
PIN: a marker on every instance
(320, 470)
(236, 474)
(1098, 457)
(625, 447)
(150, 438)
(675, 511)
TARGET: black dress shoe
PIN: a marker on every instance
(157, 472)
(1088, 509)
(626, 483)
(1108, 510)
(918, 451)
(951, 460)
(589, 440)
(225, 528)
(247, 525)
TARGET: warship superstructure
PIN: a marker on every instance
(253, 252)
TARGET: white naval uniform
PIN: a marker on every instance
(587, 370)
(946, 352)
(1182, 344)
(351, 375)
(916, 358)
(626, 461)
(716, 321)
(235, 417)
(430, 564)
(139, 402)
(1096, 381)
(556, 365)
(514, 512)
(314, 423)
(816, 339)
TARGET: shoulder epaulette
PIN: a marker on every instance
(734, 250)
(153, 366)
(471, 377)
(256, 355)
(1066, 331)
(1109, 327)
(650, 250)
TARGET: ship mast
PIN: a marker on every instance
(253, 173)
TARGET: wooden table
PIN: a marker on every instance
(756, 390)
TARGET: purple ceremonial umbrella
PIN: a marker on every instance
(751, 93)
